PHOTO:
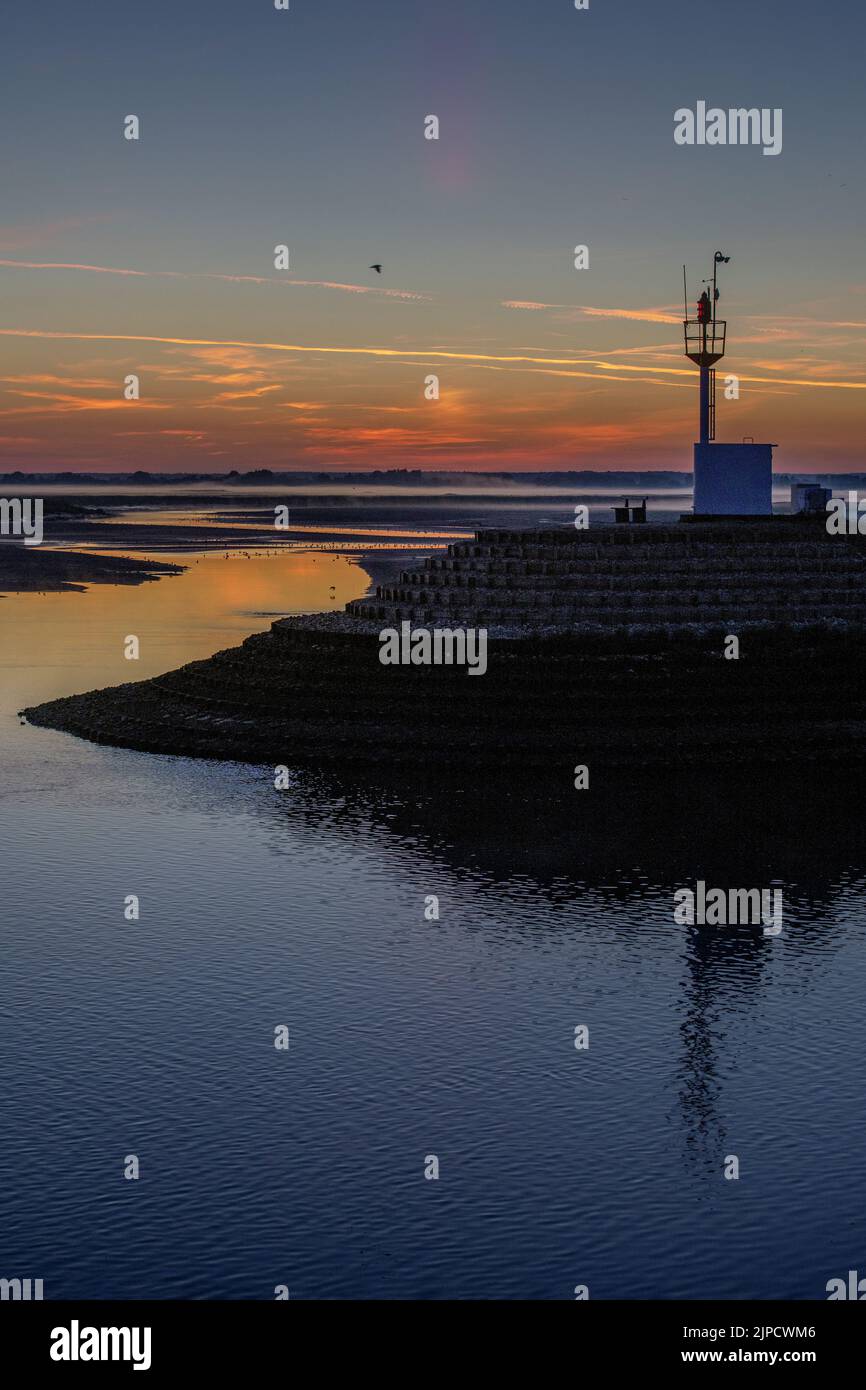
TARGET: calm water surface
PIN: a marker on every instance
(408, 1037)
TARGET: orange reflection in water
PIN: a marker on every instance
(212, 521)
(63, 644)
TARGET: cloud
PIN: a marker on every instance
(516, 359)
(150, 434)
(57, 403)
(406, 295)
(531, 304)
(773, 319)
(48, 379)
(641, 315)
(226, 396)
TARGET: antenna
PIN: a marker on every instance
(685, 296)
(718, 259)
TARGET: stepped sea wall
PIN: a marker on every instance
(605, 646)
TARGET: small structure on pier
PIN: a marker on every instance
(628, 514)
(730, 479)
(809, 498)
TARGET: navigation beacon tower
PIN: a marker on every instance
(730, 479)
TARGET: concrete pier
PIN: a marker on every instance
(605, 646)
(622, 577)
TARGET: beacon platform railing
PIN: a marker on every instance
(705, 342)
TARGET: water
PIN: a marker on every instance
(408, 1037)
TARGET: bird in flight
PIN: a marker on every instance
(377, 268)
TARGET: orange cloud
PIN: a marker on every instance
(48, 379)
(56, 403)
(531, 304)
(401, 353)
(226, 396)
(641, 315)
(149, 434)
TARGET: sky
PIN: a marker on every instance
(306, 128)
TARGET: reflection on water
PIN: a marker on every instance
(221, 520)
(57, 644)
(408, 1037)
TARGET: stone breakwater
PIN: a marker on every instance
(605, 647)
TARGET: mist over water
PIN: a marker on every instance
(408, 1037)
